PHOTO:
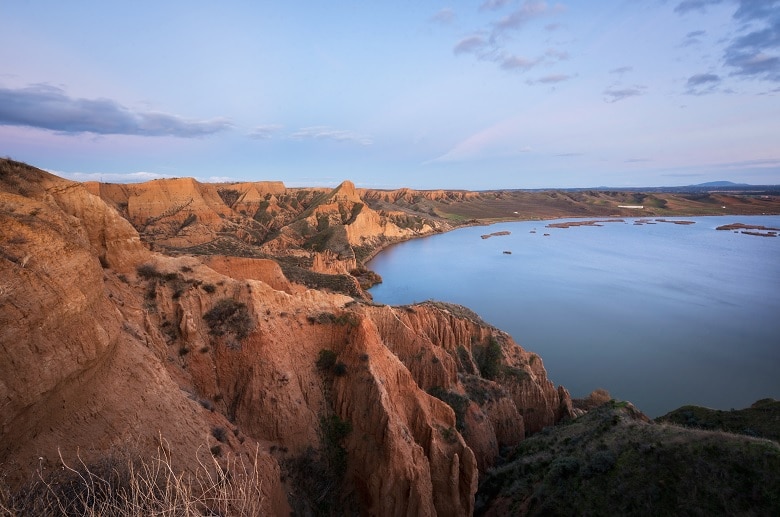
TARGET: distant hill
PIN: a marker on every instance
(762, 419)
(721, 184)
(614, 461)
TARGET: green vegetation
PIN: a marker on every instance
(326, 360)
(229, 316)
(612, 461)
(488, 358)
(456, 401)
(229, 196)
(762, 419)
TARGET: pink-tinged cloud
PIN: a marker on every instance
(498, 140)
(469, 45)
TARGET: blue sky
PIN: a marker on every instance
(473, 95)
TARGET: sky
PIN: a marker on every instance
(484, 94)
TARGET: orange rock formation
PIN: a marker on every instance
(107, 344)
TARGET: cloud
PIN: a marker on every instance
(111, 177)
(132, 177)
(621, 70)
(701, 79)
(492, 5)
(518, 63)
(470, 44)
(557, 55)
(753, 54)
(48, 107)
(701, 84)
(694, 5)
(619, 94)
(552, 79)
(638, 160)
(264, 132)
(444, 16)
(497, 141)
(489, 43)
(519, 17)
(327, 133)
(692, 38)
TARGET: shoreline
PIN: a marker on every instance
(674, 221)
(489, 222)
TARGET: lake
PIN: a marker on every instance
(658, 314)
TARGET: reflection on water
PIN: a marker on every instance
(659, 314)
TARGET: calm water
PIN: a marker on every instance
(658, 314)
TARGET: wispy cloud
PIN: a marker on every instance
(444, 16)
(328, 133)
(618, 94)
(551, 79)
(470, 44)
(518, 63)
(264, 132)
(694, 5)
(133, 177)
(755, 53)
(700, 84)
(490, 42)
(692, 38)
(48, 107)
(492, 5)
(621, 70)
(111, 177)
(521, 16)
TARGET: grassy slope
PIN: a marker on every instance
(612, 461)
(762, 419)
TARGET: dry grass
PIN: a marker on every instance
(125, 487)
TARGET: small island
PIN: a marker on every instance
(592, 222)
(675, 221)
(751, 229)
(495, 234)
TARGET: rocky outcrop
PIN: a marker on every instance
(327, 231)
(108, 344)
(242, 268)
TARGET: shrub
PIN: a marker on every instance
(148, 271)
(334, 430)
(489, 359)
(563, 467)
(601, 462)
(229, 315)
(209, 288)
(219, 434)
(340, 369)
(326, 360)
(456, 401)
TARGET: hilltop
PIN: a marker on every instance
(223, 332)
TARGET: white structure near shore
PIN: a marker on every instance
(638, 207)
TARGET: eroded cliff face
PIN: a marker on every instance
(329, 231)
(108, 344)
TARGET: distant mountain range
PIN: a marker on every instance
(710, 186)
(721, 184)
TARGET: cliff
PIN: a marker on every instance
(330, 231)
(209, 357)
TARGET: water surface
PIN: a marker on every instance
(659, 314)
